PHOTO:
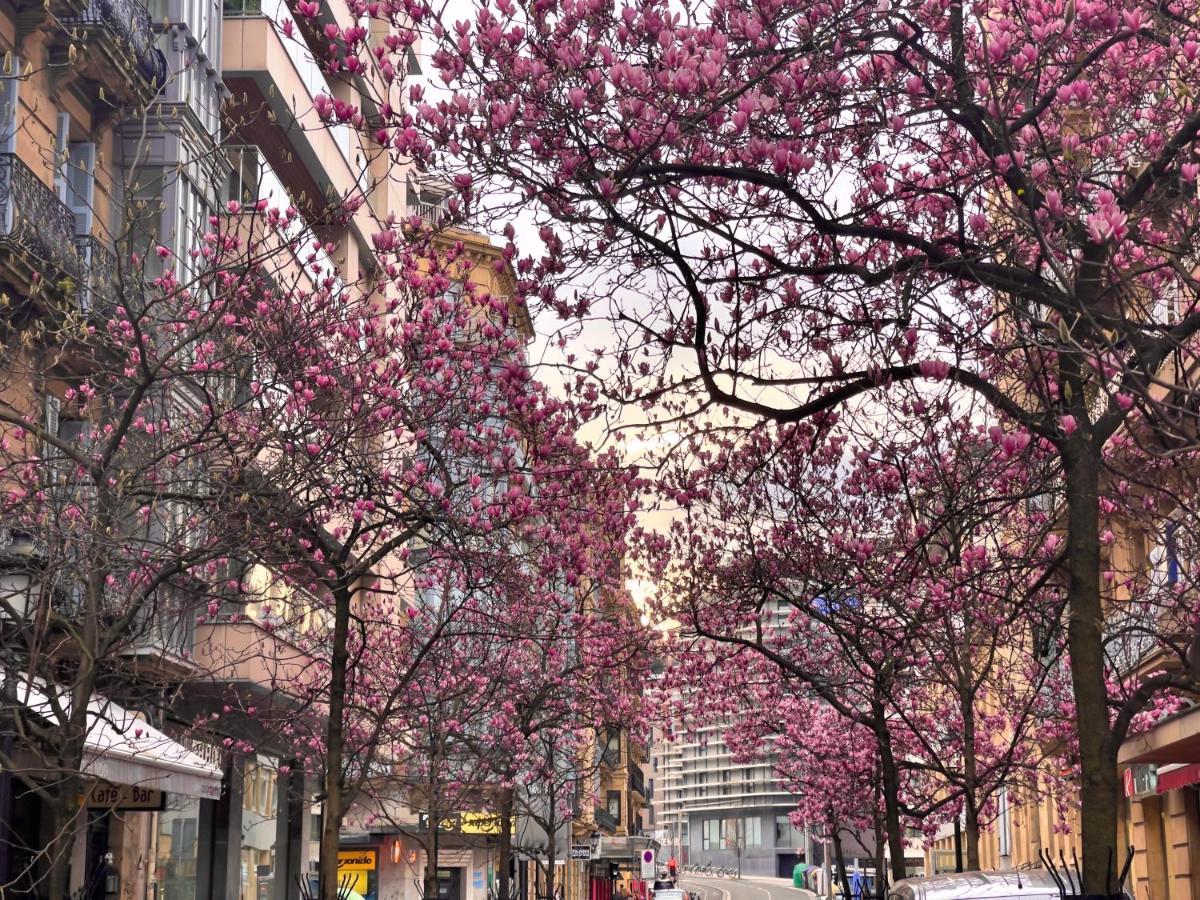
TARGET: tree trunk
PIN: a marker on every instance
(433, 850)
(504, 851)
(972, 832)
(551, 856)
(332, 806)
(64, 813)
(966, 705)
(1099, 795)
(890, 774)
(840, 857)
(880, 874)
(431, 859)
(69, 785)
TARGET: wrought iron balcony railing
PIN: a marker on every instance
(99, 284)
(129, 23)
(637, 779)
(34, 221)
(605, 820)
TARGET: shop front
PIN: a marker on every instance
(133, 772)
(1161, 773)
(615, 867)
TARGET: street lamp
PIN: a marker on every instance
(17, 568)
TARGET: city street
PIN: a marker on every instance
(749, 888)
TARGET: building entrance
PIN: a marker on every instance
(450, 884)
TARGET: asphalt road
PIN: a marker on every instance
(744, 889)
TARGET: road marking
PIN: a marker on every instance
(804, 893)
(713, 888)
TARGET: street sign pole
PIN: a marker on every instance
(648, 868)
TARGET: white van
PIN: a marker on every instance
(1018, 884)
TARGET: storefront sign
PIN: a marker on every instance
(581, 851)
(464, 823)
(1141, 781)
(356, 860)
(125, 797)
(480, 823)
(356, 871)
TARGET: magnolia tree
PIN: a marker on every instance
(450, 507)
(782, 207)
(128, 416)
(492, 715)
(891, 580)
(244, 439)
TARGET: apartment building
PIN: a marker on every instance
(710, 809)
(125, 127)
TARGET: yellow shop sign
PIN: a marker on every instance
(356, 860)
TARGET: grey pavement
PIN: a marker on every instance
(749, 887)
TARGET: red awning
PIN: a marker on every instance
(1177, 778)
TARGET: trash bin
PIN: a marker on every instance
(798, 874)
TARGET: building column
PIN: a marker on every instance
(289, 834)
(1192, 818)
(1178, 831)
(1155, 848)
(226, 835)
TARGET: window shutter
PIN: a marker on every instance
(82, 174)
(1172, 553)
(61, 150)
(10, 85)
(51, 407)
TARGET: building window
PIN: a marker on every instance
(10, 104)
(612, 747)
(701, 784)
(614, 805)
(1003, 823)
(175, 864)
(786, 834)
(753, 832)
(191, 224)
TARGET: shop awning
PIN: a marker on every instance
(1177, 777)
(625, 847)
(124, 749)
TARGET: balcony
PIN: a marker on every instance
(287, 255)
(430, 211)
(164, 642)
(99, 286)
(36, 229)
(119, 51)
(637, 780)
(605, 820)
(266, 69)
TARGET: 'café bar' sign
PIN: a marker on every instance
(103, 795)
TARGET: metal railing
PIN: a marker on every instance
(33, 218)
(129, 22)
(605, 819)
(99, 284)
(637, 780)
(428, 211)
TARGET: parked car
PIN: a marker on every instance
(668, 894)
(1019, 884)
